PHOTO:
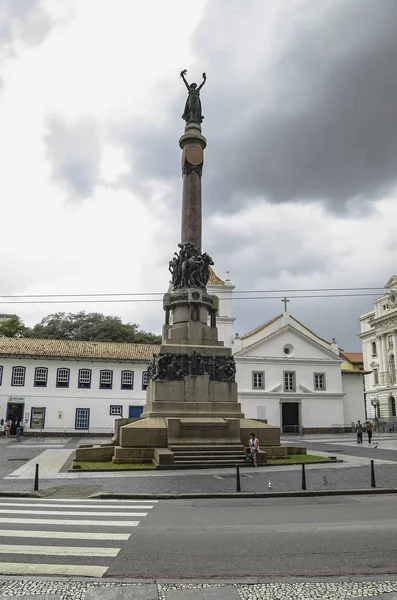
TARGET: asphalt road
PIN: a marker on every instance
(272, 537)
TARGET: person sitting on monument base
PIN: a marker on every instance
(252, 449)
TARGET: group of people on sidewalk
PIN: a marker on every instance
(6, 427)
(360, 427)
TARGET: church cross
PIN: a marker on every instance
(285, 300)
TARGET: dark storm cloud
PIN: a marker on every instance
(23, 20)
(74, 154)
(303, 108)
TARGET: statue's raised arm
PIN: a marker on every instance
(204, 80)
(183, 75)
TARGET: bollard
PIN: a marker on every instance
(303, 477)
(373, 483)
(238, 486)
(36, 479)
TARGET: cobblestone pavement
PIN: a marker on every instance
(87, 590)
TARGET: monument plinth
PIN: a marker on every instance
(192, 416)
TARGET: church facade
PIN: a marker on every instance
(379, 341)
(285, 372)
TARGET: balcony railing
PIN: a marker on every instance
(385, 379)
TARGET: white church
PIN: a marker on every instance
(285, 372)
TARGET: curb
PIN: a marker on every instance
(19, 495)
(297, 494)
(203, 468)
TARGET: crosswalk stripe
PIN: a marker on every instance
(70, 513)
(40, 505)
(58, 550)
(83, 523)
(90, 500)
(64, 535)
(10, 568)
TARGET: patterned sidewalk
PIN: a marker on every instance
(34, 589)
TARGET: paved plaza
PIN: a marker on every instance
(55, 456)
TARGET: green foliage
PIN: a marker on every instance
(13, 328)
(90, 327)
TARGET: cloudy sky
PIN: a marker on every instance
(300, 173)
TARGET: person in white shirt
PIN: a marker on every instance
(253, 448)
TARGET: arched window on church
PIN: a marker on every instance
(392, 368)
(392, 402)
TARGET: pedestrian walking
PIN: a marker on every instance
(369, 431)
(252, 449)
(8, 429)
(359, 430)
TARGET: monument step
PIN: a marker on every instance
(207, 456)
(207, 447)
(209, 463)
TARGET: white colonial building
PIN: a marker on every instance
(60, 384)
(379, 340)
(285, 372)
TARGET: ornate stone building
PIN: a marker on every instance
(379, 340)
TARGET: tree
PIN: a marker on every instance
(90, 327)
(13, 328)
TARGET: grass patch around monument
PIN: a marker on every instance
(110, 466)
(298, 459)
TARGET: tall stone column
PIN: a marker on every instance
(192, 144)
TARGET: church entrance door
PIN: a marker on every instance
(290, 416)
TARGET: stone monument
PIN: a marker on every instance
(192, 415)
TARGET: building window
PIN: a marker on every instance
(390, 341)
(63, 376)
(127, 380)
(106, 380)
(145, 380)
(319, 381)
(374, 351)
(82, 418)
(1, 375)
(258, 380)
(392, 406)
(116, 411)
(289, 381)
(376, 376)
(40, 377)
(84, 378)
(18, 376)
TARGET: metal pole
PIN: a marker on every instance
(303, 477)
(238, 485)
(373, 483)
(36, 479)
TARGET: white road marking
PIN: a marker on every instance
(43, 569)
(70, 513)
(89, 523)
(58, 550)
(91, 500)
(39, 504)
(64, 535)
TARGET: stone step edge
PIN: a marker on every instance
(296, 494)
